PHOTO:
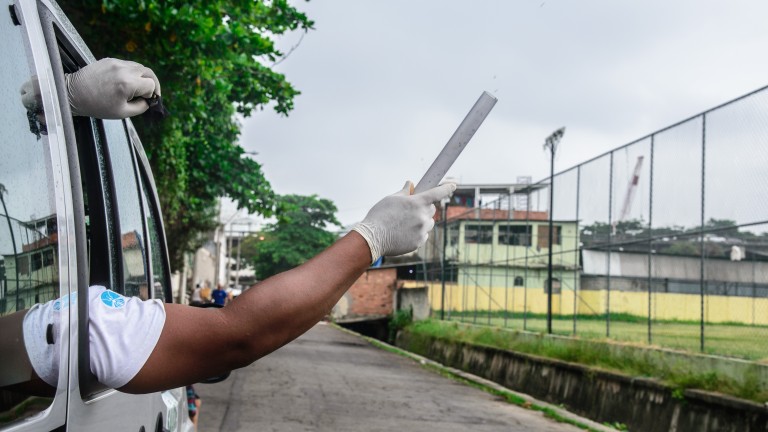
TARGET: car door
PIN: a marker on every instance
(79, 208)
(120, 233)
(36, 228)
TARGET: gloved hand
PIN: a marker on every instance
(30, 95)
(111, 89)
(401, 222)
(33, 102)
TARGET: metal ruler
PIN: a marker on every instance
(456, 144)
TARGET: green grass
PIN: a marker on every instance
(600, 355)
(725, 339)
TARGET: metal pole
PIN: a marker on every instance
(576, 279)
(477, 258)
(527, 247)
(490, 263)
(444, 261)
(506, 262)
(551, 143)
(701, 229)
(549, 259)
(229, 254)
(608, 255)
(650, 247)
(239, 242)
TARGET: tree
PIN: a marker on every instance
(213, 59)
(299, 234)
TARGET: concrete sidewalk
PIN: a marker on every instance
(331, 380)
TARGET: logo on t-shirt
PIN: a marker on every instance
(112, 299)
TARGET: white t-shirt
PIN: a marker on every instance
(123, 331)
(196, 297)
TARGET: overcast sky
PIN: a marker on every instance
(385, 83)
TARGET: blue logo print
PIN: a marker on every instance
(57, 305)
(112, 299)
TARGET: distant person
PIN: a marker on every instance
(193, 405)
(220, 296)
(197, 298)
(205, 293)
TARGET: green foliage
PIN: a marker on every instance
(679, 376)
(400, 319)
(616, 425)
(213, 60)
(633, 236)
(300, 233)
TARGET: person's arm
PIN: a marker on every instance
(16, 371)
(196, 343)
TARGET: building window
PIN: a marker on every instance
(543, 242)
(23, 265)
(37, 261)
(453, 235)
(478, 234)
(555, 286)
(515, 235)
(48, 258)
(519, 281)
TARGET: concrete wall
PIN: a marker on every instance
(371, 296)
(415, 298)
(641, 404)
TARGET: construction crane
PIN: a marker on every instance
(629, 195)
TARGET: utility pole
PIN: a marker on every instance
(551, 144)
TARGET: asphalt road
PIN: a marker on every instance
(329, 380)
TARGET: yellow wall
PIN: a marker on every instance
(665, 306)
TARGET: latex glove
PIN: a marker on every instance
(31, 98)
(111, 89)
(401, 222)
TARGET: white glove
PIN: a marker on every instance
(401, 222)
(31, 98)
(111, 89)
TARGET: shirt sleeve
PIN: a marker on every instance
(123, 332)
(41, 337)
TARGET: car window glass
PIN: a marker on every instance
(129, 210)
(29, 253)
(159, 275)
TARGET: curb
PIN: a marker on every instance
(483, 382)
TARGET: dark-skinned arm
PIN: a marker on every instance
(198, 343)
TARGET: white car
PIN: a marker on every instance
(78, 208)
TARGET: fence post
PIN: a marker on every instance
(576, 279)
(650, 245)
(701, 228)
(506, 261)
(610, 249)
(444, 261)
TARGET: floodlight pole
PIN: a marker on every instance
(551, 144)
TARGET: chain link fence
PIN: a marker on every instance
(663, 241)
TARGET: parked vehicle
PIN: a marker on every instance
(79, 208)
